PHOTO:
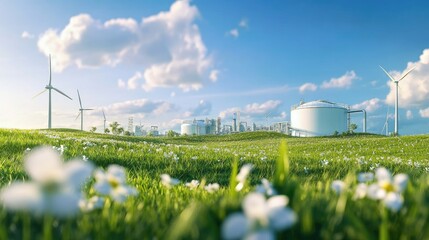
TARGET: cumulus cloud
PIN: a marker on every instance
(308, 87)
(234, 32)
(139, 106)
(27, 35)
(168, 46)
(344, 81)
(424, 113)
(214, 74)
(370, 105)
(203, 109)
(409, 115)
(270, 107)
(243, 23)
(414, 88)
(132, 82)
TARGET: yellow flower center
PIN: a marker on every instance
(113, 182)
(387, 186)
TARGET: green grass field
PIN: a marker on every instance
(158, 212)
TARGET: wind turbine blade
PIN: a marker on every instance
(406, 73)
(62, 93)
(104, 115)
(391, 78)
(77, 116)
(80, 101)
(50, 70)
(87, 109)
(40, 93)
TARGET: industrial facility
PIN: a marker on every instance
(321, 118)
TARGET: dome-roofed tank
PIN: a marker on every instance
(318, 118)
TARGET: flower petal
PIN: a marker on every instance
(103, 187)
(382, 174)
(118, 172)
(393, 201)
(63, 204)
(255, 207)
(22, 197)
(44, 165)
(338, 186)
(77, 172)
(261, 235)
(400, 182)
(282, 218)
(235, 226)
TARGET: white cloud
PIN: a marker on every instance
(234, 32)
(370, 105)
(121, 83)
(308, 87)
(256, 110)
(344, 81)
(373, 83)
(413, 89)
(172, 94)
(409, 115)
(243, 23)
(27, 35)
(139, 106)
(132, 83)
(214, 74)
(203, 109)
(424, 113)
(168, 46)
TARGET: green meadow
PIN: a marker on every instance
(303, 169)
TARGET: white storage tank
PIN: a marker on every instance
(187, 129)
(318, 118)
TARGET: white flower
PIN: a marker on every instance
(242, 176)
(338, 186)
(212, 187)
(260, 219)
(55, 186)
(91, 204)
(361, 191)
(168, 181)
(388, 189)
(365, 177)
(193, 184)
(113, 183)
(266, 188)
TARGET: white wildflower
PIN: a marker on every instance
(242, 176)
(55, 186)
(266, 188)
(112, 183)
(91, 204)
(212, 187)
(168, 181)
(365, 177)
(193, 184)
(261, 218)
(338, 186)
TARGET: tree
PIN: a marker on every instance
(353, 127)
(127, 133)
(114, 126)
(171, 133)
(106, 131)
(93, 129)
(120, 130)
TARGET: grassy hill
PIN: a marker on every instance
(179, 212)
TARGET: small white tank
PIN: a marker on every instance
(318, 118)
(187, 129)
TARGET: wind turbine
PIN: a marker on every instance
(81, 111)
(104, 115)
(396, 96)
(49, 87)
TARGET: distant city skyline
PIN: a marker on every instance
(163, 62)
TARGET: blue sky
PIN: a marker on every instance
(163, 62)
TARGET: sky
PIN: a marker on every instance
(163, 62)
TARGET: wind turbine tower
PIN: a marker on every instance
(81, 111)
(104, 126)
(49, 87)
(396, 95)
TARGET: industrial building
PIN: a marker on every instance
(200, 127)
(321, 118)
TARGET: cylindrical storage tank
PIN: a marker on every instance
(200, 127)
(187, 129)
(318, 118)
